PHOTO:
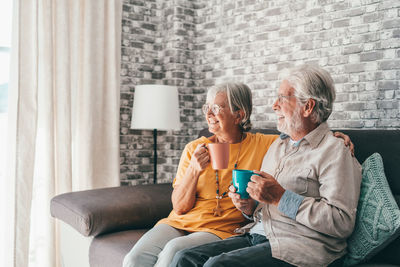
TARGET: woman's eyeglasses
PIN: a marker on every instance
(215, 109)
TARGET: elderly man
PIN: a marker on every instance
(303, 203)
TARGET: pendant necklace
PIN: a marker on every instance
(218, 210)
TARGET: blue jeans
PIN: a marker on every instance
(245, 250)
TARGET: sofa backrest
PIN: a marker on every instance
(366, 142)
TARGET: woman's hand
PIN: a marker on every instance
(246, 206)
(200, 158)
(184, 196)
(347, 141)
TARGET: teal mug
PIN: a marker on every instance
(240, 179)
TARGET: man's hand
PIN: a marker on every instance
(265, 188)
(247, 206)
(347, 141)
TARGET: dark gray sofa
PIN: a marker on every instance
(117, 217)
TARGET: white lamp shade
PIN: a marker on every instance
(155, 107)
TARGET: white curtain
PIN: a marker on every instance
(63, 116)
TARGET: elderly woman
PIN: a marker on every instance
(202, 211)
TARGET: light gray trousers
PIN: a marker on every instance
(158, 246)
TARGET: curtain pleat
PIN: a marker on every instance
(63, 113)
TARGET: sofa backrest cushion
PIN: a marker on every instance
(104, 210)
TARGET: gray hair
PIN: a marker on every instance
(316, 83)
(239, 98)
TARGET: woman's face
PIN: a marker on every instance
(224, 121)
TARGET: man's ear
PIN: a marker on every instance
(309, 107)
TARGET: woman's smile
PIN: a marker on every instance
(212, 121)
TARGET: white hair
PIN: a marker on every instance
(316, 83)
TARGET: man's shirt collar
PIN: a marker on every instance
(313, 138)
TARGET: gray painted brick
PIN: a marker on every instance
(352, 49)
(388, 104)
(341, 23)
(388, 85)
(354, 106)
(389, 64)
(351, 68)
(371, 56)
(390, 24)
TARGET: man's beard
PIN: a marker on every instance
(293, 125)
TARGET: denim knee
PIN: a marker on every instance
(180, 257)
(217, 261)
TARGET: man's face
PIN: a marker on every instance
(288, 110)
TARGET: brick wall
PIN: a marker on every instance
(158, 39)
(195, 44)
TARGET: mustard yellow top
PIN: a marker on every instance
(200, 217)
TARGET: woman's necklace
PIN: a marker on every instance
(218, 210)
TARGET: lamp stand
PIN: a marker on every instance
(155, 155)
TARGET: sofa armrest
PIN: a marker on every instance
(97, 211)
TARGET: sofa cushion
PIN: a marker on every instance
(378, 216)
(110, 249)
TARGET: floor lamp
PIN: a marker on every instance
(155, 107)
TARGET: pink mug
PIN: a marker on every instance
(219, 154)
